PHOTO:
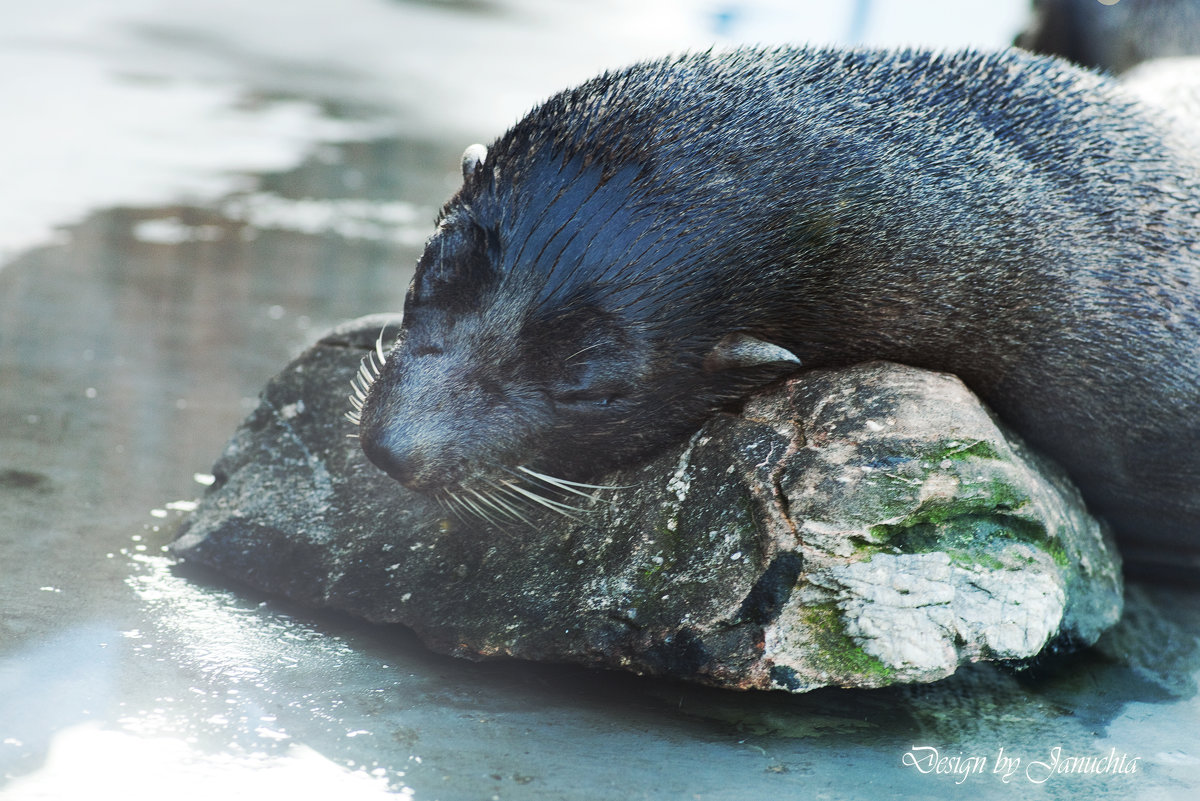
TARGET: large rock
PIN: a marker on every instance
(857, 527)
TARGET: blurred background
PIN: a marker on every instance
(137, 102)
(195, 190)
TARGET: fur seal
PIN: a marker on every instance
(649, 247)
(1113, 35)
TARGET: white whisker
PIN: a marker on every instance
(454, 505)
(557, 487)
(370, 368)
(379, 347)
(561, 508)
(364, 371)
(503, 489)
(564, 483)
(487, 499)
(479, 511)
(581, 350)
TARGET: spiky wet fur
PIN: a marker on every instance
(1004, 217)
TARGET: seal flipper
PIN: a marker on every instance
(739, 351)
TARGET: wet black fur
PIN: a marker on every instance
(1004, 217)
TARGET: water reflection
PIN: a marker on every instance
(85, 760)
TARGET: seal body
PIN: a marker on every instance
(649, 247)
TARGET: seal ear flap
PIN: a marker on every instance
(472, 159)
(740, 351)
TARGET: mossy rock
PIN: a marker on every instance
(858, 527)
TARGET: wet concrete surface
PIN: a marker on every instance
(132, 345)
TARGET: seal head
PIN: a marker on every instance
(500, 368)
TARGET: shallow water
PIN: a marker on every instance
(235, 179)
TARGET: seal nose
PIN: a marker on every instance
(401, 463)
(409, 464)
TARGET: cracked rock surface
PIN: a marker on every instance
(858, 527)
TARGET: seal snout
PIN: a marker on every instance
(405, 463)
(396, 463)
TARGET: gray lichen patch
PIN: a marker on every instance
(858, 528)
(963, 549)
(921, 614)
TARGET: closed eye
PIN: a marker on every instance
(590, 397)
(426, 350)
